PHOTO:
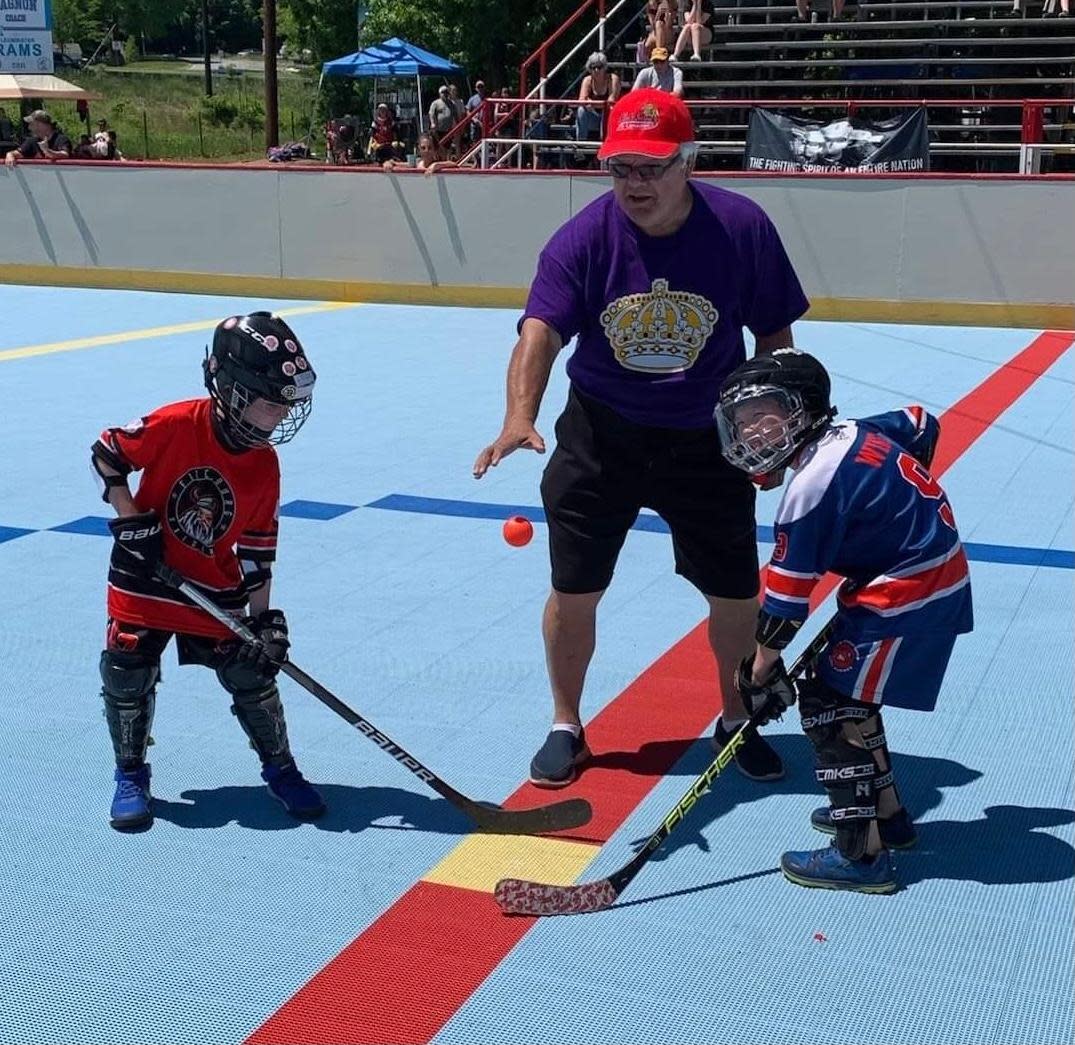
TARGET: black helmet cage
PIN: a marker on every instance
(799, 384)
(258, 357)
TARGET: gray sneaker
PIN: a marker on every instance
(555, 764)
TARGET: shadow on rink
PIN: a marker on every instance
(350, 809)
(1003, 847)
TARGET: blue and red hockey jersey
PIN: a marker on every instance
(860, 504)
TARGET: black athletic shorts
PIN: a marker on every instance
(605, 468)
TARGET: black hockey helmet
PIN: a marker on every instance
(254, 357)
(793, 382)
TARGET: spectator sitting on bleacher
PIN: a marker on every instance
(695, 32)
(45, 142)
(84, 149)
(660, 74)
(383, 144)
(340, 139)
(660, 26)
(598, 85)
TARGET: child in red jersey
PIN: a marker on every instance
(206, 505)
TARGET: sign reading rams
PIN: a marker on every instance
(25, 14)
(25, 50)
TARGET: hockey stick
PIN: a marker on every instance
(573, 812)
(517, 896)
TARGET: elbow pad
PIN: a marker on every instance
(776, 632)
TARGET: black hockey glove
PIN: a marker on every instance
(777, 693)
(139, 543)
(269, 651)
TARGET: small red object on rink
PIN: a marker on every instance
(518, 530)
(820, 938)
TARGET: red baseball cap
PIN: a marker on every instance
(647, 122)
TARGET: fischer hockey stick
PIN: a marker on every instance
(573, 812)
(517, 896)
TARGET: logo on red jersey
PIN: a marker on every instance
(201, 507)
(842, 656)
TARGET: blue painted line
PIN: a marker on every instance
(997, 553)
(91, 525)
(324, 511)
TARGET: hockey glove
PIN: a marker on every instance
(776, 693)
(269, 650)
(139, 543)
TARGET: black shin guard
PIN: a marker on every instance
(848, 772)
(261, 715)
(129, 691)
(877, 744)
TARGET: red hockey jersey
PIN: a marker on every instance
(218, 510)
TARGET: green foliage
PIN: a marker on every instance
(220, 110)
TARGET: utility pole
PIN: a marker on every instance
(205, 50)
(272, 108)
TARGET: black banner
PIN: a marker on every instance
(776, 142)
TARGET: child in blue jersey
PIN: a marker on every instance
(860, 503)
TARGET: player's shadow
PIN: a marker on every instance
(350, 809)
(1002, 848)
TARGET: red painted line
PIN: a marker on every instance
(406, 975)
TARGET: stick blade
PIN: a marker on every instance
(560, 816)
(516, 896)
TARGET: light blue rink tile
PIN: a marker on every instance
(43, 315)
(1015, 484)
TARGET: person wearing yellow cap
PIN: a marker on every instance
(657, 280)
(660, 73)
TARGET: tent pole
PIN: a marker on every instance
(313, 115)
(421, 113)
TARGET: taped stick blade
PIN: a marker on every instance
(516, 896)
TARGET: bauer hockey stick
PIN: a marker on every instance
(573, 812)
(517, 896)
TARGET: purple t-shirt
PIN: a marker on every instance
(660, 319)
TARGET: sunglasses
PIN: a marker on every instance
(645, 171)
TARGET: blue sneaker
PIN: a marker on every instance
(555, 764)
(896, 833)
(830, 869)
(297, 795)
(132, 803)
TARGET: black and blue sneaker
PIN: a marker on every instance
(897, 832)
(132, 804)
(755, 759)
(830, 869)
(294, 792)
(557, 761)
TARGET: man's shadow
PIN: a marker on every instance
(350, 809)
(1002, 848)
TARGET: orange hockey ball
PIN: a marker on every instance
(518, 530)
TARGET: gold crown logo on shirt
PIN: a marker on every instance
(661, 329)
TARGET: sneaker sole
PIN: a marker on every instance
(554, 785)
(132, 824)
(831, 832)
(880, 889)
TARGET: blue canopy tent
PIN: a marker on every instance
(394, 57)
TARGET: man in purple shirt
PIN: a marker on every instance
(656, 279)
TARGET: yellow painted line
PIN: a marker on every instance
(480, 861)
(149, 332)
(1033, 316)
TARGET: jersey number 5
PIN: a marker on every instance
(926, 485)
